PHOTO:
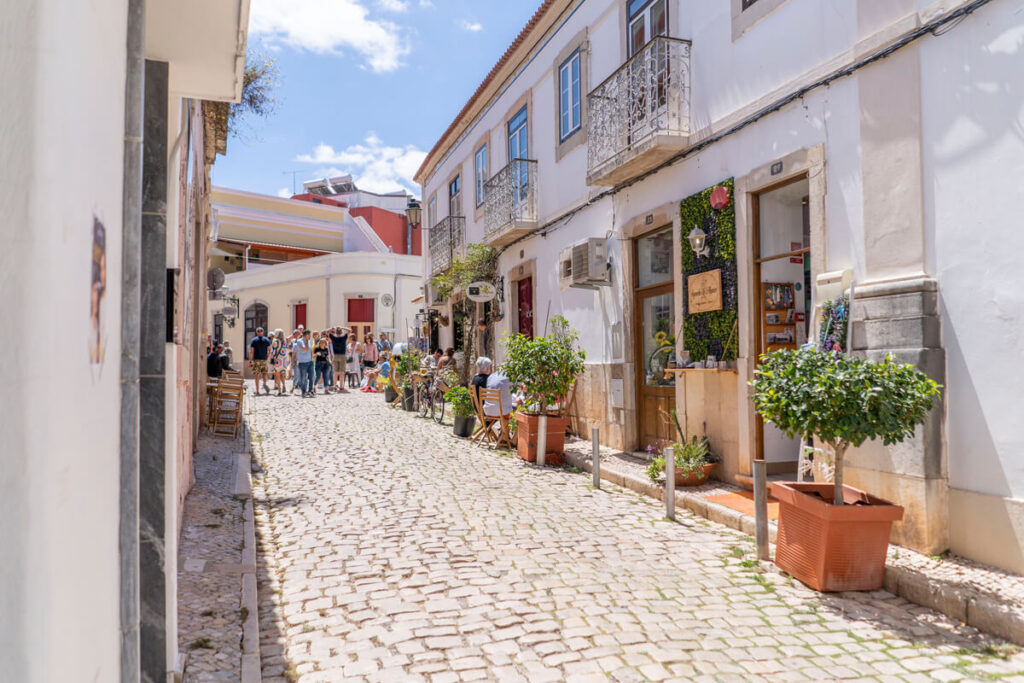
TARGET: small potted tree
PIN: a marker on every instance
(462, 408)
(546, 368)
(834, 537)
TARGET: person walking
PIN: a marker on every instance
(259, 353)
(303, 349)
(352, 373)
(339, 345)
(322, 358)
(278, 360)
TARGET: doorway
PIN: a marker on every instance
(360, 317)
(300, 316)
(524, 299)
(782, 296)
(655, 325)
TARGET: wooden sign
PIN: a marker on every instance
(704, 292)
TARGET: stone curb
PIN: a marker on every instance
(962, 604)
(250, 666)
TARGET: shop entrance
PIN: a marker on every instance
(782, 298)
(655, 326)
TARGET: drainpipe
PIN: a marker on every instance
(131, 304)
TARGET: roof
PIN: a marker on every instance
(504, 60)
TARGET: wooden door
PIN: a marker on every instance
(300, 316)
(655, 330)
(525, 299)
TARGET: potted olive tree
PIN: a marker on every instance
(834, 537)
(462, 408)
(546, 368)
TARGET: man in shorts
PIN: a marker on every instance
(259, 353)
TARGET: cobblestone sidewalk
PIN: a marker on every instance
(391, 551)
(210, 550)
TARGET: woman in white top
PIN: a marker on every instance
(353, 371)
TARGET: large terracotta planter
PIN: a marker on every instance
(554, 447)
(695, 478)
(829, 547)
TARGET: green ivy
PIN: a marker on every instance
(701, 331)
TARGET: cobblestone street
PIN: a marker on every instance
(391, 551)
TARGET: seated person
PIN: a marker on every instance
(498, 380)
(371, 374)
(483, 370)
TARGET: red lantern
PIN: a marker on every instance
(719, 198)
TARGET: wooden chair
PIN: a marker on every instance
(227, 407)
(483, 431)
(396, 386)
(503, 437)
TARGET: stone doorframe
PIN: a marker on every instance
(663, 215)
(521, 271)
(806, 162)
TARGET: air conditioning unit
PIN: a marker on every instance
(590, 263)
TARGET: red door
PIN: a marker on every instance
(525, 298)
(300, 315)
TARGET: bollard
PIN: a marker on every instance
(595, 460)
(542, 438)
(670, 483)
(761, 508)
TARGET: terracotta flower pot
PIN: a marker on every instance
(829, 547)
(554, 446)
(695, 478)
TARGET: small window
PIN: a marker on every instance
(455, 196)
(569, 96)
(432, 212)
(481, 174)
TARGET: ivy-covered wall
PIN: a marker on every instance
(711, 333)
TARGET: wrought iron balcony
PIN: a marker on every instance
(447, 242)
(510, 205)
(640, 115)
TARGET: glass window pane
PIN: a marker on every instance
(654, 258)
(658, 335)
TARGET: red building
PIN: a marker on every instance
(391, 227)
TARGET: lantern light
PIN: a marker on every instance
(698, 242)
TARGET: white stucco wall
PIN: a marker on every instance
(59, 448)
(973, 95)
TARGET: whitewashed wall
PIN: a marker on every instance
(59, 447)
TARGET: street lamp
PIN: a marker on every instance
(698, 242)
(414, 213)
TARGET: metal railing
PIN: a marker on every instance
(447, 241)
(511, 197)
(646, 97)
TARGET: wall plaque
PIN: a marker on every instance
(704, 292)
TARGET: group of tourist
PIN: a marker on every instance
(328, 359)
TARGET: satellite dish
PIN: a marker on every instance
(387, 301)
(214, 279)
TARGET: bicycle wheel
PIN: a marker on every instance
(424, 401)
(437, 406)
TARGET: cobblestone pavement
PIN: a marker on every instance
(391, 551)
(209, 586)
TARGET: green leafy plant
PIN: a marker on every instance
(841, 401)
(546, 367)
(689, 456)
(407, 364)
(479, 264)
(460, 401)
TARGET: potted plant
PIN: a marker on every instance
(407, 364)
(545, 368)
(462, 408)
(693, 459)
(840, 402)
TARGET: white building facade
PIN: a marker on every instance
(857, 141)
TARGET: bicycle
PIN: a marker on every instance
(430, 398)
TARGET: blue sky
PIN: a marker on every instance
(366, 86)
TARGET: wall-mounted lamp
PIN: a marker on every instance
(698, 241)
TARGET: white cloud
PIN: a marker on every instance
(394, 5)
(284, 193)
(471, 26)
(427, 4)
(330, 27)
(375, 166)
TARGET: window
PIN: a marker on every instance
(455, 196)
(747, 3)
(481, 174)
(647, 20)
(432, 212)
(518, 138)
(569, 96)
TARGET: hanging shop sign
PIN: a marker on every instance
(481, 292)
(704, 291)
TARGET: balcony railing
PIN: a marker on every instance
(640, 115)
(510, 205)
(447, 242)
